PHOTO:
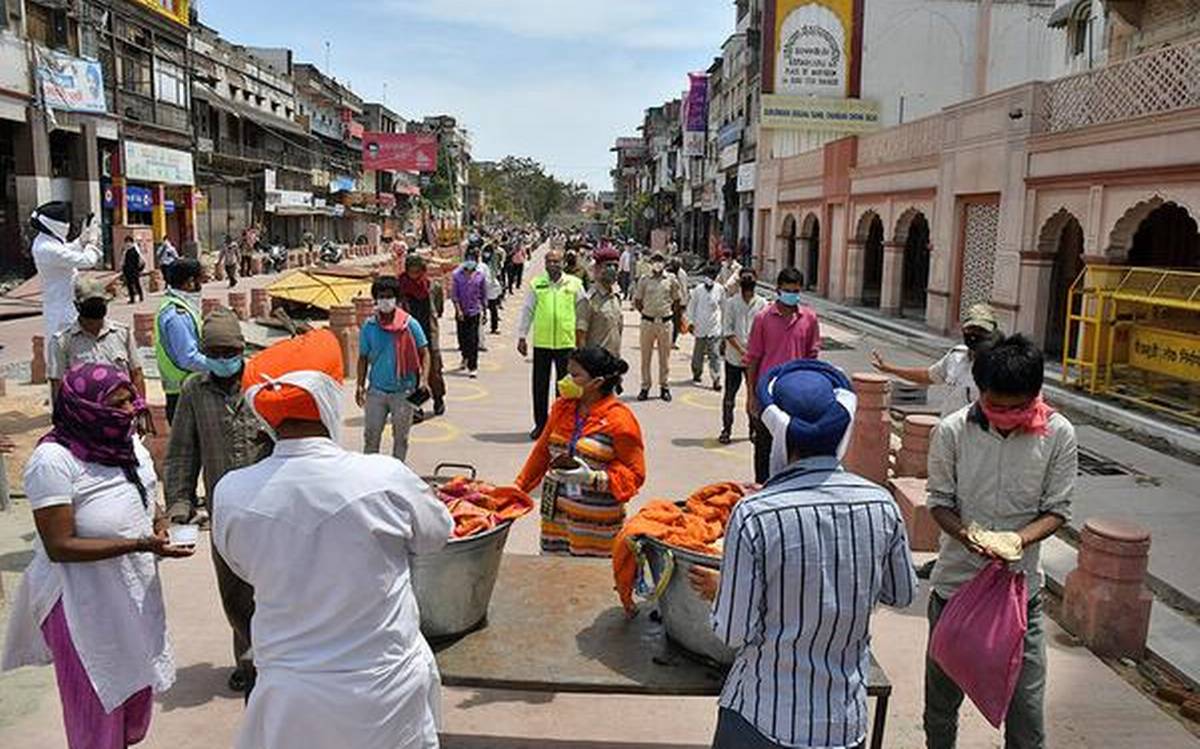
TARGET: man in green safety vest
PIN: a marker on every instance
(177, 330)
(549, 312)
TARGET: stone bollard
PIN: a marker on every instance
(208, 305)
(364, 309)
(157, 444)
(260, 303)
(218, 272)
(143, 328)
(913, 457)
(341, 322)
(37, 368)
(1106, 603)
(239, 304)
(924, 534)
(154, 283)
(870, 445)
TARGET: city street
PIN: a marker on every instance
(1088, 704)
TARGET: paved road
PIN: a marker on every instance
(1089, 705)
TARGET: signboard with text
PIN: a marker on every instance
(401, 152)
(69, 83)
(148, 163)
(812, 113)
(812, 48)
(1163, 351)
(177, 10)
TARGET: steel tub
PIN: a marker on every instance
(686, 617)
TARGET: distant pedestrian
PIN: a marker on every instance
(517, 260)
(58, 262)
(229, 258)
(167, 255)
(549, 312)
(599, 319)
(132, 266)
(468, 293)
(625, 270)
(730, 273)
(704, 323)
(247, 245)
(177, 331)
(424, 300)
(656, 298)
(783, 332)
(675, 268)
(495, 287)
(737, 317)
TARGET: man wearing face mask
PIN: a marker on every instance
(979, 330)
(393, 364)
(783, 332)
(704, 323)
(549, 312)
(737, 316)
(599, 320)
(58, 262)
(468, 292)
(94, 339)
(656, 297)
(177, 331)
(216, 431)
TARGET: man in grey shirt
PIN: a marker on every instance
(1005, 463)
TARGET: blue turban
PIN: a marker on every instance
(807, 405)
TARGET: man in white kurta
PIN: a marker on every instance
(324, 536)
(58, 262)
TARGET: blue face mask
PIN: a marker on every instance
(225, 367)
(789, 298)
(470, 265)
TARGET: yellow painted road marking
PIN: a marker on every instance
(478, 392)
(703, 402)
(448, 432)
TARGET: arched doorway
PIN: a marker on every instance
(1166, 238)
(811, 233)
(872, 287)
(1065, 240)
(914, 235)
(789, 241)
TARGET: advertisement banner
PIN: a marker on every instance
(728, 157)
(342, 183)
(812, 50)
(277, 200)
(176, 10)
(401, 152)
(747, 175)
(810, 113)
(1170, 352)
(69, 83)
(695, 124)
(147, 163)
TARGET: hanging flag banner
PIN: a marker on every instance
(70, 84)
(401, 152)
(695, 123)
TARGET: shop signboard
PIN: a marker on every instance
(70, 84)
(400, 152)
(813, 113)
(285, 199)
(148, 163)
(812, 49)
(695, 115)
(708, 200)
(176, 10)
(728, 157)
(139, 199)
(730, 134)
(747, 174)
(1163, 351)
(341, 183)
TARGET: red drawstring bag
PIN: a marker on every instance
(979, 639)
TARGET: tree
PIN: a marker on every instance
(519, 188)
(442, 191)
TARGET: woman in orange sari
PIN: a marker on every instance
(589, 458)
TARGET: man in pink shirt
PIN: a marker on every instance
(783, 332)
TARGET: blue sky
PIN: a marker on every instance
(557, 80)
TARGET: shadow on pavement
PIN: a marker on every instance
(454, 741)
(198, 684)
(502, 696)
(503, 438)
(16, 561)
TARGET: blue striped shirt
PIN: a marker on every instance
(805, 562)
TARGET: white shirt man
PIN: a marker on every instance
(58, 262)
(324, 535)
(704, 319)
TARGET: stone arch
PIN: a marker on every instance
(905, 223)
(863, 230)
(908, 288)
(1061, 240)
(870, 235)
(1052, 230)
(1120, 238)
(810, 232)
(788, 234)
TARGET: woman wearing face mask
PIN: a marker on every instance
(91, 600)
(980, 330)
(589, 459)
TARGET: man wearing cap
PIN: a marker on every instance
(979, 330)
(656, 298)
(58, 262)
(549, 313)
(94, 339)
(325, 535)
(177, 331)
(215, 431)
(805, 562)
(599, 319)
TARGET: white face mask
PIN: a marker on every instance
(385, 306)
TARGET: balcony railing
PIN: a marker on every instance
(1164, 80)
(908, 142)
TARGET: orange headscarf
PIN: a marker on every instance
(317, 351)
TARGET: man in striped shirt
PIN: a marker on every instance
(806, 560)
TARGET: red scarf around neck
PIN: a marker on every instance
(408, 360)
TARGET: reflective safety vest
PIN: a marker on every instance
(172, 375)
(554, 311)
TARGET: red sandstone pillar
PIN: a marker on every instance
(913, 457)
(1105, 603)
(154, 283)
(260, 303)
(157, 444)
(239, 304)
(37, 370)
(364, 308)
(143, 328)
(256, 265)
(870, 446)
(341, 321)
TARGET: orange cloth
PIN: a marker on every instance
(318, 350)
(696, 527)
(476, 506)
(626, 471)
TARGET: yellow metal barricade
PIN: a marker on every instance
(1134, 334)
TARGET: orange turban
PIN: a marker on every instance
(316, 351)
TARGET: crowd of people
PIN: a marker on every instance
(325, 636)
